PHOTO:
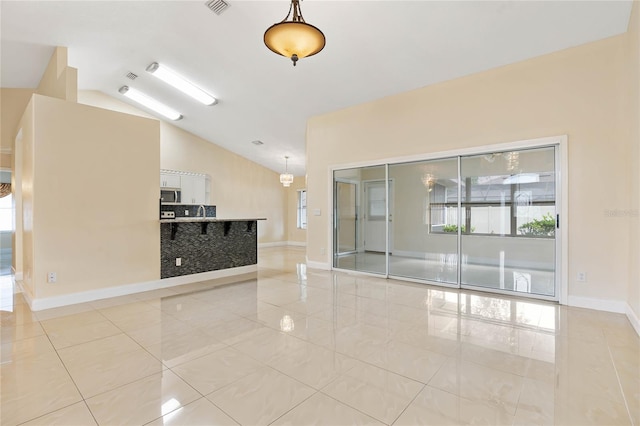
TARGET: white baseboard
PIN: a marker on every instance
(17, 275)
(411, 254)
(616, 306)
(272, 244)
(39, 304)
(297, 243)
(282, 244)
(318, 265)
(633, 318)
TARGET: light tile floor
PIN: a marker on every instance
(296, 346)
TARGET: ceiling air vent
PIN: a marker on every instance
(217, 6)
(132, 76)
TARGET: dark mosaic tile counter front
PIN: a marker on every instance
(207, 244)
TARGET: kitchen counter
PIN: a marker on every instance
(208, 219)
(192, 245)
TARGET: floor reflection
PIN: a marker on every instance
(290, 345)
(443, 268)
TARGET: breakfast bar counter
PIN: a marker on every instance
(191, 245)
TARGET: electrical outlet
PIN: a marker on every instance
(178, 261)
(582, 277)
(322, 251)
(186, 212)
(52, 277)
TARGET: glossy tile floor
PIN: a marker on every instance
(296, 346)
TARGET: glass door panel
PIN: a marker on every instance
(425, 219)
(347, 218)
(360, 206)
(479, 221)
(508, 221)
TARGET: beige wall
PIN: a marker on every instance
(239, 187)
(634, 110)
(12, 105)
(76, 159)
(23, 191)
(580, 92)
(294, 235)
(59, 80)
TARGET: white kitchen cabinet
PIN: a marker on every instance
(169, 180)
(193, 189)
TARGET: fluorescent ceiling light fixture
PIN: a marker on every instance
(176, 80)
(150, 103)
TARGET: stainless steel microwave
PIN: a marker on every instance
(170, 195)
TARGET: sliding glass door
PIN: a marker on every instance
(360, 219)
(509, 215)
(424, 239)
(485, 221)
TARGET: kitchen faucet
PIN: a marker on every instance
(204, 212)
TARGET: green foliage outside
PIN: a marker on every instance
(545, 227)
(454, 228)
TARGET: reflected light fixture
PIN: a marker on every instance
(286, 324)
(294, 39)
(428, 180)
(150, 103)
(286, 178)
(174, 79)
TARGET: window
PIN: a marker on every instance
(492, 207)
(6, 219)
(302, 209)
(377, 201)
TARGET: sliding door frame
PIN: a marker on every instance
(562, 186)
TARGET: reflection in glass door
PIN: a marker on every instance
(509, 214)
(425, 239)
(347, 217)
(359, 219)
(480, 221)
(375, 215)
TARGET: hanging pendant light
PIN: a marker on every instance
(286, 178)
(294, 39)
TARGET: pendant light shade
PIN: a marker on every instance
(294, 39)
(286, 178)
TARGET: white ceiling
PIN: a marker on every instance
(374, 49)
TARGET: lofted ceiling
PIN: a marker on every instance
(374, 49)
